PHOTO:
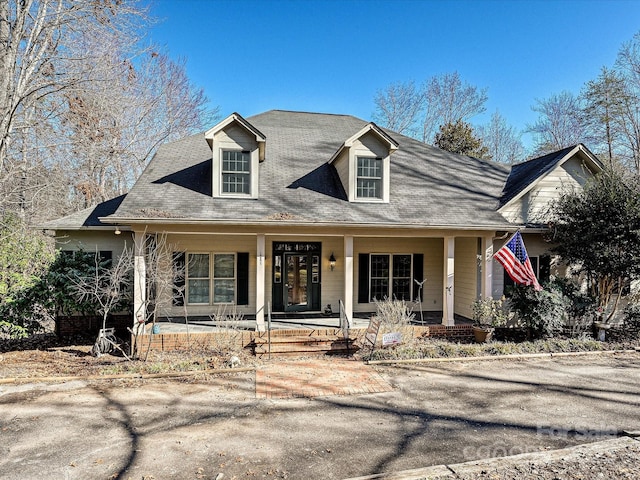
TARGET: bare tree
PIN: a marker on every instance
(398, 107)
(42, 52)
(108, 287)
(559, 122)
(113, 130)
(161, 286)
(448, 100)
(503, 141)
(420, 112)
(82, 105)
(628, 67)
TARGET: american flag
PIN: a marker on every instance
(513, 257)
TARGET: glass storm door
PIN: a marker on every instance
(297, 275)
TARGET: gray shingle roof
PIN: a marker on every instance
(87, 218)
(429, 187)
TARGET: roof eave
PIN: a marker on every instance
(297, 223)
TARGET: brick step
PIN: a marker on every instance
(282, 348)
(300, 339)
(304, 345)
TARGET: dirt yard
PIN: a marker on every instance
(204, 426)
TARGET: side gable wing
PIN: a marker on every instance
(533, 185)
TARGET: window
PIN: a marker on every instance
(390, 276)
(369, 178)
(224, 279)
(198, 278)
(236, 172)
(200, 282)
(541, 267)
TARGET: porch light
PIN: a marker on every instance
(117, 232)
(332, 261)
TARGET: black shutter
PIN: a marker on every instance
(179, 272)
(418, 274)
(105, 255)
(544, 269)
(363, 278)
(242, 286)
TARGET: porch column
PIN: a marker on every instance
(487, 266)
(139, 279)
(447, 292)
(348, 277)
(260, 276)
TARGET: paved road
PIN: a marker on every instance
(435, 414)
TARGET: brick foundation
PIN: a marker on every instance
(245, 338)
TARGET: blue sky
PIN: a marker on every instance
(332, 56)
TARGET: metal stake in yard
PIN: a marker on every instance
(269, 330)
(420, 298)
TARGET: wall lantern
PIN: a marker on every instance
(332, 261)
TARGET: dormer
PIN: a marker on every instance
(363, 163)
(237, 149)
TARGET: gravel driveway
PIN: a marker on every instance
(201, 428)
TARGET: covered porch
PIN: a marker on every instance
(313, 278)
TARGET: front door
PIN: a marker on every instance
(296, 276)
(296, 293)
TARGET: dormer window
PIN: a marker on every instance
(363, 163)
(369, 178)
(236, 172)
(237, 148)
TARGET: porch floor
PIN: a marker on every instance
(300, 321)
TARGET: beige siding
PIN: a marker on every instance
(235, 135)
(534, 205)
(93, 241)
(341, 165)
(369, 144)
(465, 276)
(432, 248)
(332, 282)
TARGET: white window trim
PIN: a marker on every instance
(188, 278)
(390, 277)
(235, 278)
(211, 277)
(380, 197)
(216, 170)
(221, 175)
(354, 154)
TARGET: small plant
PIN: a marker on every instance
(395, 316)
(229, 339)
(490, 312)
(394, 312)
